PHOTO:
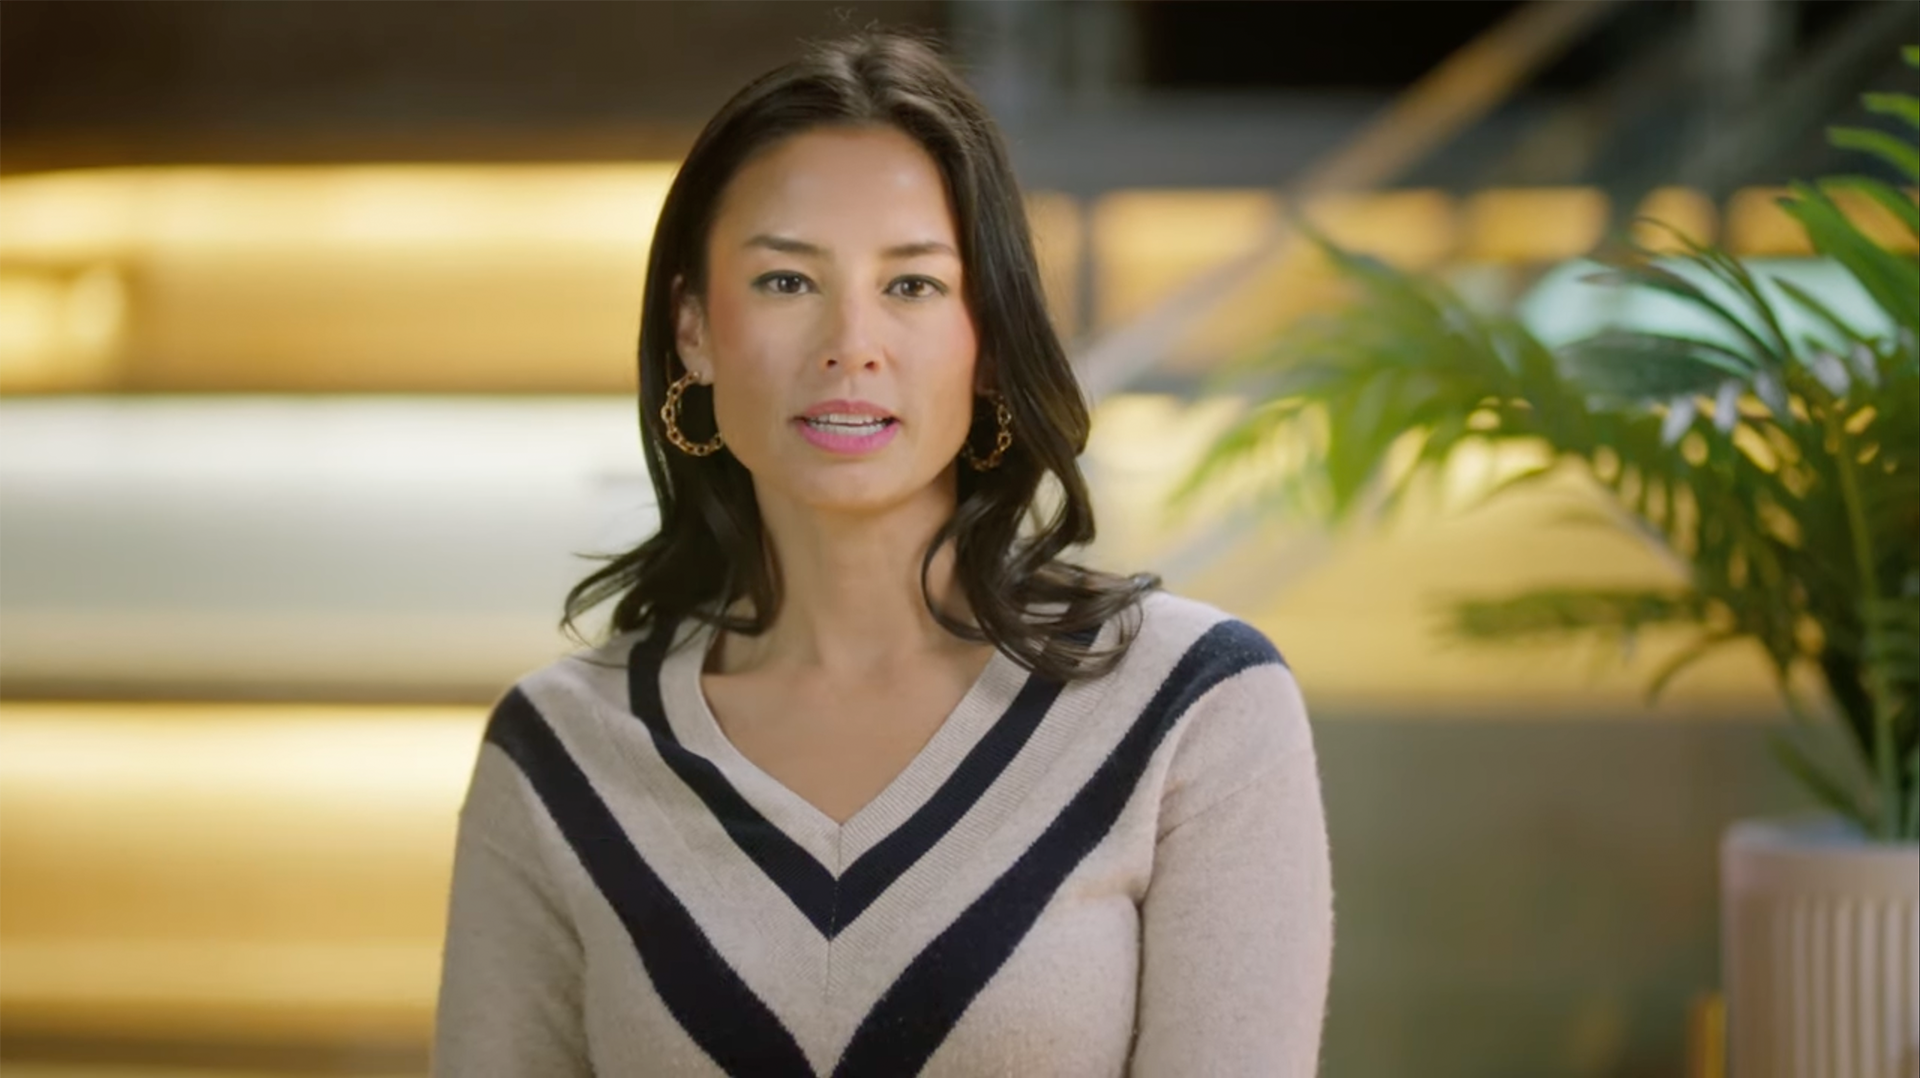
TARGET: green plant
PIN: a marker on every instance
(1782, 467)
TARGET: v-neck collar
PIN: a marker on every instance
(834, 844)
(834, 873)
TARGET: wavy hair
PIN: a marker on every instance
(710, 549)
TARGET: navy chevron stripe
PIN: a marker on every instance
(910, 1021)
(876, 870)
(833, 905)
(806, 881)
(709, 1000)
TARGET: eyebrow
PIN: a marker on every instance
(788, 245)
(924, 247)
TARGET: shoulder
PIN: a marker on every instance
(544, 732)
(1233, 710)
(565, 698)
(1186, 647)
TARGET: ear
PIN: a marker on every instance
(690, 333)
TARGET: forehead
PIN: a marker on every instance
(839, 186)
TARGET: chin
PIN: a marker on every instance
(855, 502)
(851, 493)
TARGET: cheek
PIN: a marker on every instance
(749, 352)
(733, 330)
(959, 348)
(740, 385)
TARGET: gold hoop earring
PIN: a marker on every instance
(1002, 438)
(670, 415)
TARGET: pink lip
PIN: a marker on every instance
(846, 407)
(850, 444)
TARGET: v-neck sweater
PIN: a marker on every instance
(1125, 874)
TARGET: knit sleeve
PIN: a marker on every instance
(510, 985)
(1237, 922)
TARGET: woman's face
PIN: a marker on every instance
(834, 275)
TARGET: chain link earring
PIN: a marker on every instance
(670, 414)
(1002, 438)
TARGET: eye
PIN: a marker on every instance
(917, 288)
(783, 284)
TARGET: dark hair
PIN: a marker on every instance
(710, 550)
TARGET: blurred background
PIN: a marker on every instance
(316, 336)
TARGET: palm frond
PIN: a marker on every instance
(1889, 148)
(1782, 471)
(1829, 791)
(1902, 107)
(1891, 279)
(1636, 269)
(1703, 645)
(1549, 613)
(1633, 366)
(1846, 335)
(1892, 199)
(1910, 817)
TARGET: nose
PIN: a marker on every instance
(853, 340)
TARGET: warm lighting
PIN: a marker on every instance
(183, 869)
(1346, 607)
(1876, 220)
(1413, 229)
(420, 278)
(1757, 226)
(61, 330)
(32, 328)
(1148, 243)
(527, 278)
(1676, 209)
(134, 211)
(1059, 241)
(1543, 224)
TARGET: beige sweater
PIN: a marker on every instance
(1126, 875)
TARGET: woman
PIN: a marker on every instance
(869, 781)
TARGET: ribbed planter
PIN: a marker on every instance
(1820, 951)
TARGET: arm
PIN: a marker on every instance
(1237, 924)
(510, 984)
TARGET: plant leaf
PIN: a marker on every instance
(1900, 106)
(1734, 275)
(1559, 612)
(1892, 281)
(1679, 418)
(1641, 367)
(1687, 656)
(1897, 625)
(1726, 406)
(1845, 333)
(1896, 201)
(1904, 157)
(1910, 825)
(1774, 395)
(1645, 274)
(1831, 371)
(1818, 782)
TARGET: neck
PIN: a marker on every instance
(852, 606)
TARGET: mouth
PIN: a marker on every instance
(854, 425)
(847, 426)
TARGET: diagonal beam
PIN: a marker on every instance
(1455, 95)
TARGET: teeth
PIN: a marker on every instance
(838, 419)
(850, 424)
